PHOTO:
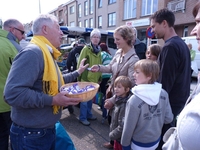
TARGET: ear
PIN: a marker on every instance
(165, 23)
(127, 90)
(149, 78)
(45, 29)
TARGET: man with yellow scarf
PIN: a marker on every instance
(32, 88)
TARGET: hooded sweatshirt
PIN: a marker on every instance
(146, 112)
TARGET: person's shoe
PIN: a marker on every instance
(85, 122)
(108, 145)
(103, 120)
(92, 118)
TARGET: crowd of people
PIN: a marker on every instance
(149, 87)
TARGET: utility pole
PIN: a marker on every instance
(39, 7)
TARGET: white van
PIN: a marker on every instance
(192, 40)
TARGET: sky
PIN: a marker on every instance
(27, 10)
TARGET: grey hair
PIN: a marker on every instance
(95, 32)
(10, 23)
(41, 20)
(135, 30)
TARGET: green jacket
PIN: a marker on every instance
(192, 54)
(7, 54)
(92, 59)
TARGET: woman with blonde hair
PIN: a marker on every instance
(121, 64)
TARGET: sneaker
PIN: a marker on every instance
(92, 118)
(108, 145)
(85, 122)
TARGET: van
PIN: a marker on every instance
(192, 40)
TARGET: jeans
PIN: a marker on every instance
(32, 138)
(5, 124)
(85, 110)
(104, 110)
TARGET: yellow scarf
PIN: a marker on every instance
(50, 76)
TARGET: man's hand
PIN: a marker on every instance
(82, 67)
(61, 100)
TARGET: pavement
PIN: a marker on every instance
(86, 137)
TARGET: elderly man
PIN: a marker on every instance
(32, 88)
(10, 36)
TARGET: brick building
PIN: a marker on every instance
(109, 14)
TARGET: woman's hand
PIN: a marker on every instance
(95, 68)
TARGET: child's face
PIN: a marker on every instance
(120, 90)
(140, 77)
(150, 56)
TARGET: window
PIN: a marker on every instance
(99, 21)
(91, 6)
(72, 24)
(185, 31)
(130, 9)
(86, 23)
(111, 19)
(91, 22)
(71, 9)
(100, 4)
(86, 8)
(60, 13)
(79, 24)
(79, 10)
(111, 1)
(149, 7)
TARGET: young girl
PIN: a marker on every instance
(122, 86)
(153, 51)
(147, 109)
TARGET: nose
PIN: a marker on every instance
(194, 30)
(61, 32)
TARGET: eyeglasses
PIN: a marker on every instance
(22, 32)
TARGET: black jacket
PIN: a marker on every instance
(72, 58)
(140, 49)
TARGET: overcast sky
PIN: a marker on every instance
(26, 10)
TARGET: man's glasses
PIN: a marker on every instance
(22, 32)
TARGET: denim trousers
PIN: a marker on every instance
(5, 124)
(85, 110)
(32, 138)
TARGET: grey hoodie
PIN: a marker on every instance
(146, 112)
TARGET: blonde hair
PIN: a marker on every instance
(127, 33)
(149, 68)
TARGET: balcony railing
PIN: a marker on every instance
(176, 5)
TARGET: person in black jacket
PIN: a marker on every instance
(140, 47)
(174, 61)
(74, 54)
(72, 60)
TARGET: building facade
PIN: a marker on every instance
(109, 14)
